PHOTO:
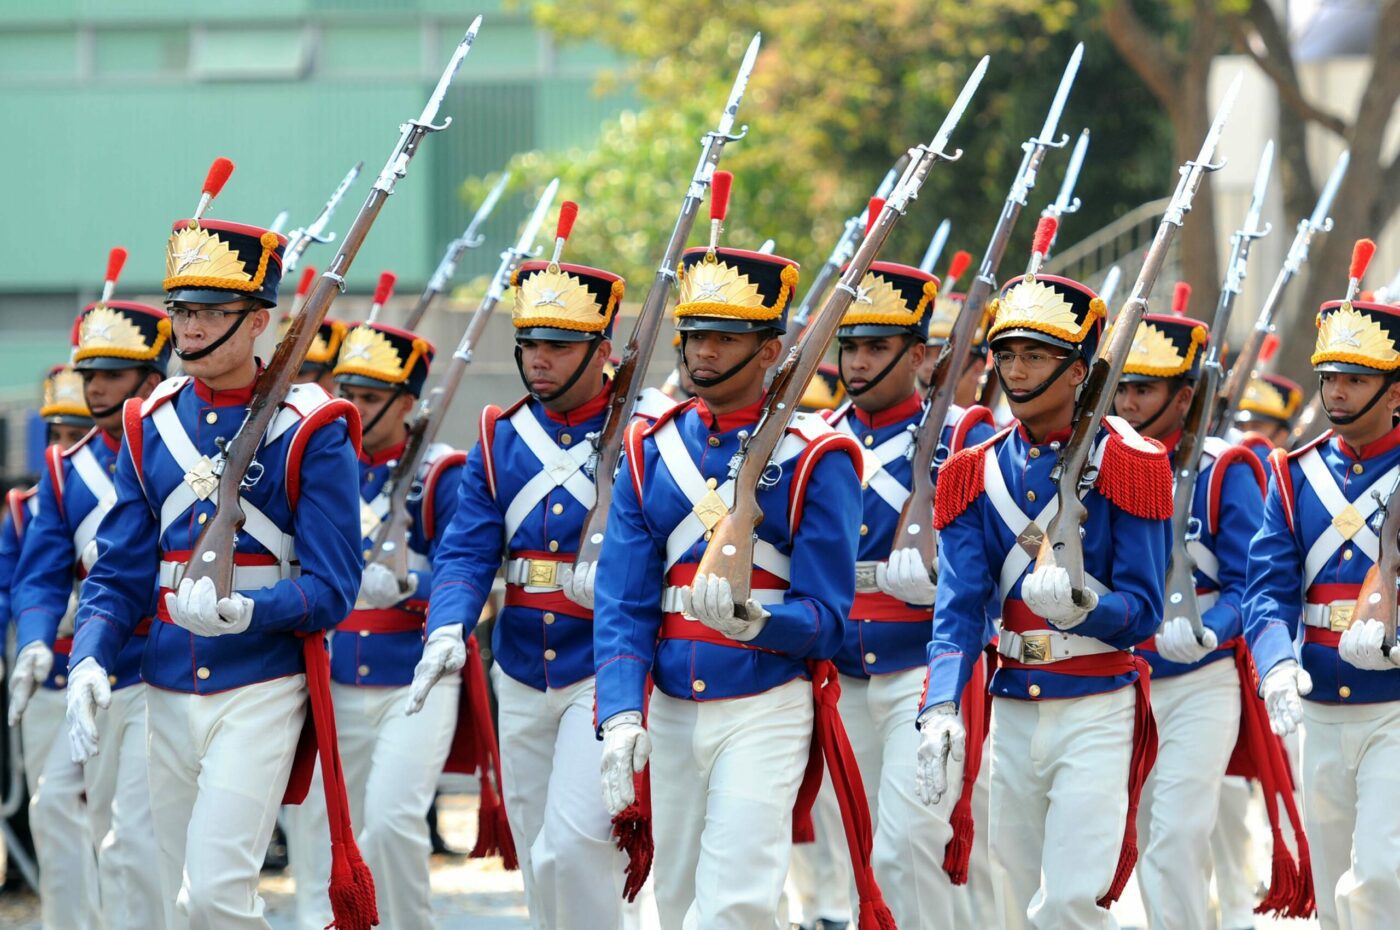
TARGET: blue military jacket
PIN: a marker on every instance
(804, 559)
(885, 635)
(298, 556)
(981, 491)
(75, 493)
(360, 654)
(21, 504)
(1227, 507)
(1309, 558)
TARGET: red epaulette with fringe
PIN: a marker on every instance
(1135, 474)
(961, 480)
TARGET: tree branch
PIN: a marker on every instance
(1144, 53)
(1276, 61)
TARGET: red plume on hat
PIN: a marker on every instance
(1040, 245)
(720, 186)
(116, 260)
(962, 259)
(1181, 298)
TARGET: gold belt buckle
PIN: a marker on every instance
(1035, 648)
(542, 573)
(1339, 614)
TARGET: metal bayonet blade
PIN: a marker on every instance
(1065, 201)
(487, 205)
(1109, 288)
(526, 244)
(1261, 188)
(279, 223)
(892, 177)
(1329, 191)
(935, 246)
(955, 115)
(440, 92)
(1222, 116)
(1057, 106)
(741, 83)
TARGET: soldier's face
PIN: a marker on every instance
(548, 366)
(106, 391)
(1345, 395)
(65, 436)
(1154, 408)
(197, 326)
(1024, 365)
(370, 402)
(713, 354)
(863, 358)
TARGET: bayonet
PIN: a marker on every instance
(300, 239)
(935, 246)
(447, 267)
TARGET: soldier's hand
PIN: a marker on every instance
(576, 581)
(88, 691)
(710, 600)
(905, 578)
(236, 612)
(1049, 594)
(626, 748)
(444, 654)
(32, 667)
(1361, 644)
(1283, 689)
(1177, 643)
(379, 588)
(941, 737)
(194, 606)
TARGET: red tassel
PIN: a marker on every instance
(1044, 235)
(385, 288)
(631, 830)
(958, 853)
(1268, 349)
(976, 708)
(568, 212)
(1144, 756)
(873, 213)
(116, 260)
(1181, 298)
(804, 829)
(961, 260)
(1283, 881)
(1361, 255)
(308, 276)
(217, 177)
(1305, 901)
(1135, 477)
(961, 480)
(720, 186)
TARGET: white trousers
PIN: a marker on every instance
(218, 767)
(550, 759)
(307, 827)
(1058, 804)
(1351, 757)
(58, 817)
(1231, 848)
(819, 875)
(724, 778)
(910, 838)
(981, 895)
(1198, 721)
(119, 804)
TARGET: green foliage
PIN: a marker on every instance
(840, 90)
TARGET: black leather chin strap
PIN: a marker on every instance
(883, 373)
(720, 379)
(1375, 399)
(573, 379)
(198, 354)
(1028, 396)
(130, 395)
(374, 420)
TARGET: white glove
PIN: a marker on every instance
(1048, 593)
(710, 600)
(1283, 689)
(379, 588)
(576, 581)
(197, 607)
(626, 748)
(1361, 646)
(1176, 642)
(941, 735)
(88, 691)
(905, 578)
(32, 667)
(444, 654)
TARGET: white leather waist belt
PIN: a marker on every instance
(534, 573)
(1335, 616)
(245, 577)
(1044, 647)
(865, 578)
(671, 597)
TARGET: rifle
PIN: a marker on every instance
(469, 239)
(840, 255)
(1302, 430)
(1222, 417)
(279, 222)
(935, 246)
(1109, 289)
(913, 527)
(1062, 545)
(301, 238)
(212, 556)
(627, 381)
(390, 547)
(730, 551)
(1181, 569)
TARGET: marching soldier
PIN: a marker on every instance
(228, 693)
(1070, 726)
(731, 718)
(58, 813)
(1195, 684)
(121, 352)
(1267, 413)
(882, 658)
(1308, 560)
(524, 496)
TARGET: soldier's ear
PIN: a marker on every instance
(917, 351)
(260, 318)
(1078, 372)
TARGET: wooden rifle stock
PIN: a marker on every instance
(1377, 598)
(729, 553)
(627, 381)
(212, 556)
